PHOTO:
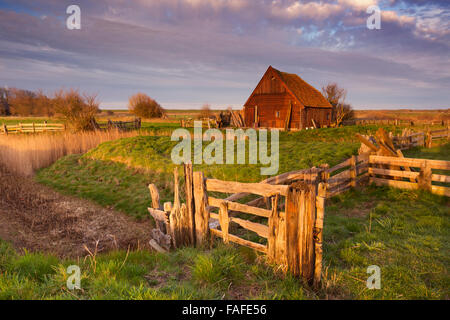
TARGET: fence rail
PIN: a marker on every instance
(422, 178)
(31, 128)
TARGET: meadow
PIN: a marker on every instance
(404, 232)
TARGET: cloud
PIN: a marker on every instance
(193, 51)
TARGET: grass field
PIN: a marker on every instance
(406, 233)
(117, 173)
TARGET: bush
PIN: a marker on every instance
(145, 107)
(205, 113)
(78, 110)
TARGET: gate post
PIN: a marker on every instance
(201, 209)
(304, 224)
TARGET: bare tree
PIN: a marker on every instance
(78, 110)
(336, 97)
(4, 101)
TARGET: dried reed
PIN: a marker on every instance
(24, 154)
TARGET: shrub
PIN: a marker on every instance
(78, 110)
(145, 107)
(205, 112)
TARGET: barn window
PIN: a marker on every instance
(328, 116)
(277, 114)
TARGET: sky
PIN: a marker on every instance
(185, 53)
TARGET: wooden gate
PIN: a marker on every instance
(292, 221)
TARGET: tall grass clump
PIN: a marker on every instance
(24, 154)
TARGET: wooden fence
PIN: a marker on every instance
(396, 122)
(409, 173)
(420, 139)
(32, 128)
(348, 174)
(290, 226)
(119, 125)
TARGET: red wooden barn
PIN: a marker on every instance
(284, 100)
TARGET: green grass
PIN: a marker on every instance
(185, 274)
(405, 233)
(439, 152)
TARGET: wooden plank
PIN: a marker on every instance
(362, 168)
(280, 179)
(367, 142)
(410, 162)
(263, 189)
(189, 194)
(337, 191)
(339, 166)
(440, 178)
(295, 203)
(353, 172)
(243, 242)
(318, 232)
(273, 227)
(394, 173)
(214, 202)
(395, 183)
(339, 178)
(439, 190)
(159, 215)
(224, 220)
(157, 247)
(154, 195)
(260, 229)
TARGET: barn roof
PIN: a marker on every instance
(303, 91)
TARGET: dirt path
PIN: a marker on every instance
(37, 218)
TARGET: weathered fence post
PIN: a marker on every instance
(224, 220)
(424, 179)
(190, 209)
(318, 234)
(353, 173)
(429, 140)
(5, 129)
(304, 211)
(273, 228)
(201, 209)
(154, 195)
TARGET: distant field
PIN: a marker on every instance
(403, 114)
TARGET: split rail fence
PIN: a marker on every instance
(420, 139)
